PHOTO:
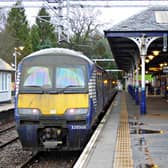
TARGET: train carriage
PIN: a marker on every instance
(59, 96)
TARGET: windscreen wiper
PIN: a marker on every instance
(42, 90)
(69, 86)
(62, 90)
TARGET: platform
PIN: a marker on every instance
(6, 106)
(127, 139)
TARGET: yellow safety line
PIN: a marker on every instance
(123, 152)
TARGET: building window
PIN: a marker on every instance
(3, 81)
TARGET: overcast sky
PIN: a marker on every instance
(109, 16)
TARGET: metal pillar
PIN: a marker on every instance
(15, 63)
(68, 21)
(133, 82)
(130, 84)
(143, 92)
(137, 85)
(60, 19)
(16, 53)
(143, 43)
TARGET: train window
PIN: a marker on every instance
(37, 76)
(70, 76)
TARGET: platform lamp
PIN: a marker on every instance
(15, 54)
(147, 60)
(156, 52)
(150, 57)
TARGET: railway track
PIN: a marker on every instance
(7, 126)
(9, 138)
(8, 134)
(51, 159)
(8, 142)
(13, 154)
(29, 161)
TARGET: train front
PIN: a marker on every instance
(52, 102)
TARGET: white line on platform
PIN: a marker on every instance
(84, 157)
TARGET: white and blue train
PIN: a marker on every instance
(60, 94)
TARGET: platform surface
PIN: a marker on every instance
(147, 136)
(6, 106)
(150, 146)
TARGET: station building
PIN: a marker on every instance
(5, 81)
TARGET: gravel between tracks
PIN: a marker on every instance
(12, 155)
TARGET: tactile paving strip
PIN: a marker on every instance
(123, 151)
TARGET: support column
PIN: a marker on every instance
(137, 85)
(143, 93)
(130, 85)
(143, 43)
(133, 82)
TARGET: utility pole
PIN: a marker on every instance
(68, 20)
(60, 20)
(16, 53)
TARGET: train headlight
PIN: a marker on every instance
(76, 111)
(29, 111)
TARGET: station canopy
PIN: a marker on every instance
(151, 23)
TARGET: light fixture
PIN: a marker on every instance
(155, 69)
(150, 57)
(147, 60)
(165, 64)
(161, 65)
(155, 52)
(105, 81)
(20, 48)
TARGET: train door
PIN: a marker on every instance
(99, 91)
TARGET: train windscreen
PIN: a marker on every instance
(41, 76)
(70, 76)
(37, 76)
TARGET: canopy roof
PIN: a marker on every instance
(152, 23)
(4, 66)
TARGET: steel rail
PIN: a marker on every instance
(30, 160)
(7, 129)
(9, 142)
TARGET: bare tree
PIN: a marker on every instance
(83, 23)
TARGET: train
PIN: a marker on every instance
(60, 94)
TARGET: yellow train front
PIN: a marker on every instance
(59, 95)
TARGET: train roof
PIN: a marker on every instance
(62, 51)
